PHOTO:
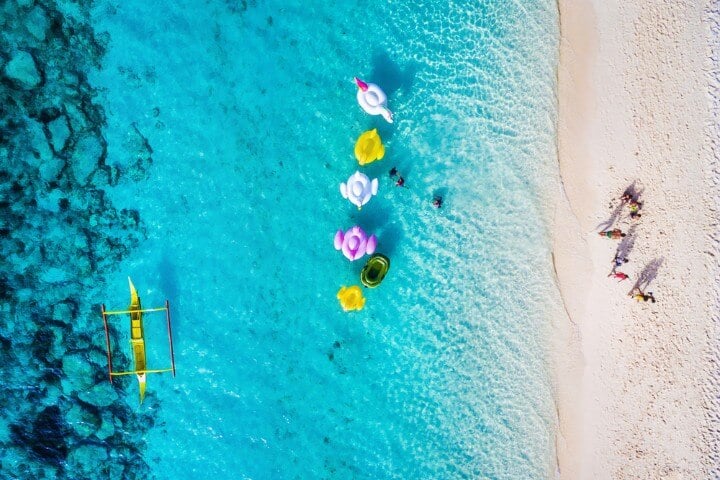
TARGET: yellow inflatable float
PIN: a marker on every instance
(351, 298)
(369, 147)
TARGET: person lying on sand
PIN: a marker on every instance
(618, 260)
(619, 275)
(615, 234)
(640, 296)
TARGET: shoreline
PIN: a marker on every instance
(634, 381)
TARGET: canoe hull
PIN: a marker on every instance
(137, 338)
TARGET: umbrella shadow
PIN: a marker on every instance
(647, 275)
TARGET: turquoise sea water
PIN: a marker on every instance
(249, 111)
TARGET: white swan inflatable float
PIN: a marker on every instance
(373, 100)
(355, 243)
(359, 189)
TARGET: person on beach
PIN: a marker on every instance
(618, 261)
(644, 297)
(625, 198)
(634, 207)
(640, 296)
(619, 275)
(437, 201)
(615, 234)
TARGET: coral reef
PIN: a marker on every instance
(58, 233)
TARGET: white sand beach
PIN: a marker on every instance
(637, 382)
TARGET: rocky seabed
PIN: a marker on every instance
(59, 234)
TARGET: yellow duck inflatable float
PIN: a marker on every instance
(351, 298)
(369, 147)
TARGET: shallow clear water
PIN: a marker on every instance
(251, 115)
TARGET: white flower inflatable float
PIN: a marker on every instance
(359, 189)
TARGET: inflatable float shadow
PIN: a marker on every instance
(389, 237)
(389, 74)
(374, 217)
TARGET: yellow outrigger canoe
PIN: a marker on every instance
(137, 339)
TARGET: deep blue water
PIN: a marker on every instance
(232, 125)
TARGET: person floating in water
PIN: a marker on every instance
(437, 201)
(615, 234)
(619, 275)
(400, 182)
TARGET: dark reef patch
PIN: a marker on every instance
(59, 234)
(45, 436)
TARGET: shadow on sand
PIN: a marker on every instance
(635, 193)
(626, 244)
(647, 275)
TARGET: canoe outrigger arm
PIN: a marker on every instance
(137, 339)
